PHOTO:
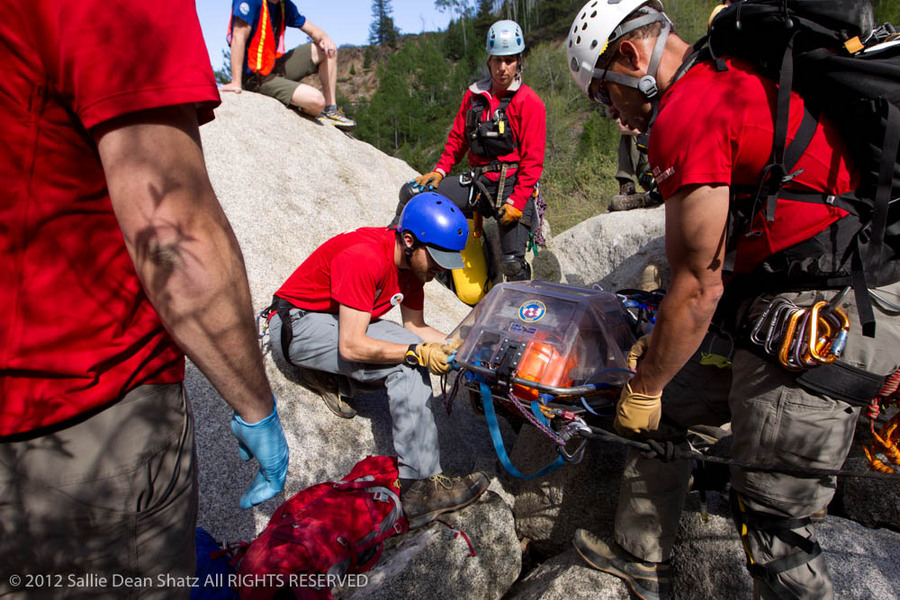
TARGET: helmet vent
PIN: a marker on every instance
(594, 44)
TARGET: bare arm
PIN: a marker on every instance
(184, 250)
(355, 345)
(319, 38)
(695, 245)
(240, 33)
(414, 320)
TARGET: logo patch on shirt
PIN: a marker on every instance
(396, 299)
(532, 311)
(244, 8)
(661, 176)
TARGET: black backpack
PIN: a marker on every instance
(831, 53)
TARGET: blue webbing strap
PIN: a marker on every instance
(494, 428)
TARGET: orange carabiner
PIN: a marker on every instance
(788, 341)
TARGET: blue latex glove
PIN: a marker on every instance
(264, 441)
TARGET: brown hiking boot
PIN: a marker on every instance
(626, 188)
(425, 499)
(326, 385)
(631, 201)
(649, 581)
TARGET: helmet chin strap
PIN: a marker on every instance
(646, 85)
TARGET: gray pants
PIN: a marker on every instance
(112, 496)
(315, 345)
(775, 422)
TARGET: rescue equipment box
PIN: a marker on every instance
(556, 335)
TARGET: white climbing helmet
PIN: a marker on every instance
(505, 38)
(597, 25)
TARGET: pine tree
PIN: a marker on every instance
(382, 31)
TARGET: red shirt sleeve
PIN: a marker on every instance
(94, 65)
(529, 118)
(456, 146)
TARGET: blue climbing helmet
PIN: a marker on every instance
(439, 224)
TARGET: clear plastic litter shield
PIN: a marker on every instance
(557, 335)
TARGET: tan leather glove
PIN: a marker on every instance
(637, 413)
(428, 180)
(637, 352)
(433, 355)
(509, 214)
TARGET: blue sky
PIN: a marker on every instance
(345, 21)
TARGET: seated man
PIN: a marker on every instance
(326, 317)
(259, 63)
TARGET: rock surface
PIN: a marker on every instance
(288, 184)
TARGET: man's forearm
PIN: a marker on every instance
(426, 332)
(184, 250)
(680, 327)
(238, 47)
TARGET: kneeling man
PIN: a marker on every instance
(326, 318)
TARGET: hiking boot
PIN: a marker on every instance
(649, 581)
(626, 187)
(425, 499)
(630, 201)
(336, 117)
(326, 385)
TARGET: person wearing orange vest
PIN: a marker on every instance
(260, 64)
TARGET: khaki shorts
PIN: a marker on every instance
(112, 497)
(285, 76)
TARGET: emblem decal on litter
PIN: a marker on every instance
(531, 311)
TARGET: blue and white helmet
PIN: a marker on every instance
(505, 38)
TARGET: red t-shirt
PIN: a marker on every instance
(355, 269)
(717, 128)
(76, 329)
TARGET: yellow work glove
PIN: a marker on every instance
(637, 352)
(509, 214)
(433, 355)
(428, 180)
(453, 344)
(637, 413)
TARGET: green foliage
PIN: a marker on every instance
(382, 31)
(409, 114)
(223, 74)
(887, 11)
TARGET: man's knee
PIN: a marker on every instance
(777, 546)
(515, 268)
(309, 99)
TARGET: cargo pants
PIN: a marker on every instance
(315, 345)
(775, 422)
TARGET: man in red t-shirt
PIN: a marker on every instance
(117, 260)
(326, 318)
(625, 56)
